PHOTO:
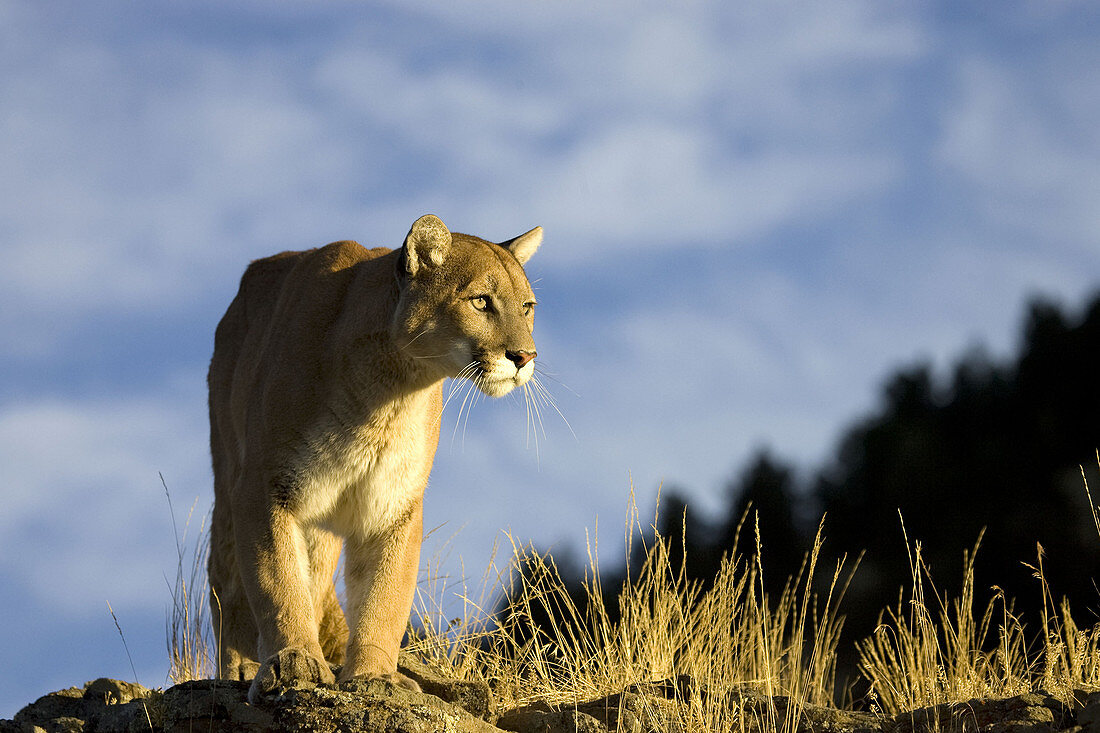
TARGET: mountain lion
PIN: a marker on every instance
(325, 392)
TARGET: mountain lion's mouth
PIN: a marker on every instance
(496, 379)
(495, 386)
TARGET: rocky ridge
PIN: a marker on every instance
(111, 706)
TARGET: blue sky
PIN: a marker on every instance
(753, 212)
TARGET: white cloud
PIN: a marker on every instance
(632, 134)
(136, 171)
(84, 510)
(1027, 142)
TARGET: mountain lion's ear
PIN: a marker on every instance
(523, 246)
(426, 244)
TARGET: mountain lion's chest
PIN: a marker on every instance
(360, 479)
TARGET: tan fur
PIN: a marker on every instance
(325, 390)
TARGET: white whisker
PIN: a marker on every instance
(414, 338)
(550, 375)
(477, 395)
(527, 423)
(538, 414)
(465, 399)
(541, 390)
(456, 383)
(528, 398)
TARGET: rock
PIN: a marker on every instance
(367, 706)
(112, 692)
(474, 697)
(632, 712)
(515, 719)
(539, 718)
(221, 706)
(372, 706)
(759, 711)
(625, 712)
(1033, 712)
(102, 704)
(1088, 715)
(212, 705)
(831, 720)
(60, 704)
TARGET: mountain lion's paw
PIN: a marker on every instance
(288, 669)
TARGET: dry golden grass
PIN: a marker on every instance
(188, 633)
(729, 639)
(929, 650)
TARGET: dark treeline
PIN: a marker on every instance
(993, 446)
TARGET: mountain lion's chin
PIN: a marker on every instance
(496, 387)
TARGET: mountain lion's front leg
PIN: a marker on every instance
(380, 574)
(271, 553)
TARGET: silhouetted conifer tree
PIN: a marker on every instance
(763, 497)
(998, 447)
(993, 445)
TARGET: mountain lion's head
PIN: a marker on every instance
(466, 308)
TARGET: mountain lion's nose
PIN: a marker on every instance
(520, 358)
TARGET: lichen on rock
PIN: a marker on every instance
(450, 706)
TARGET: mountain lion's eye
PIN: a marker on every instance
(528, 308)
(480, 302)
